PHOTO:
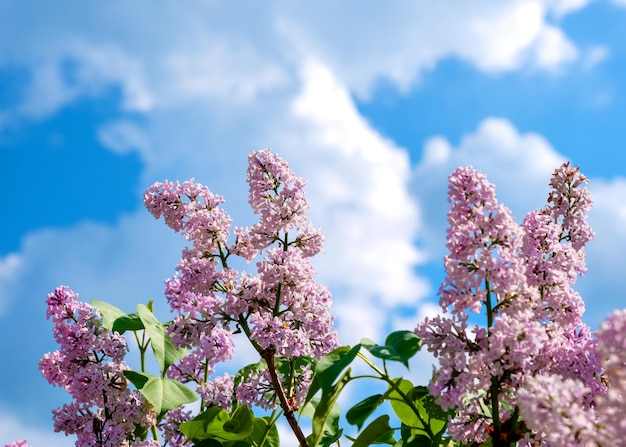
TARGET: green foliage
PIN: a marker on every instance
(164, 351)
(215, 423)
(422, 422)
(377, 432)
(163, 393)
(325, 420)
(399, 346)
(329, 367)
(358, 414)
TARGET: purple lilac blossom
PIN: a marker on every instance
(520, 278)
(89, 366)
(169, 426)
(280, 308)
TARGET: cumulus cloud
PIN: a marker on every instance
(417, 35)
(358, 189)
(207, 51)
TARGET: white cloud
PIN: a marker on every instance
(561, 8)
(122, 136)
(553, 49)
(494, 36)
(358, 185)
(162, 56)
(595, 55)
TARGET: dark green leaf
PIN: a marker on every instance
(325, 411)
(405, 343)
(136, 378)
(361, 411)
(239, 426)
(208, 443)
(377, 429)
(130, 322)
(244, 372)
(400, 347)
(329, 367)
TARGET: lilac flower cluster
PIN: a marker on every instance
(555, 407)
(521, 278)
(281, 309)
(89, 365)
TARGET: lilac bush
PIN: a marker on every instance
(516, 363)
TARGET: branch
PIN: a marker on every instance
(288, 409)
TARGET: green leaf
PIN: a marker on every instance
(263, 434)
(215, 423)
(208, 443)
(409, 439)
(136, 378)
(330, 366)
(244, 372)
(326, 410)
(361, 411)
(405, 343)
(163, 393)
(429, 418)
(109, 313)
(313, 389)
(401, 407)
(399, 346)
(331, 423)
(377, 429)
(130, 322)
(165, 352)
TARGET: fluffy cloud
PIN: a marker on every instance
(161, 55)
(399, 41)
(360, 179)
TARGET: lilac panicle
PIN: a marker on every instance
(89, 365)
(280, 308)
(521, 278)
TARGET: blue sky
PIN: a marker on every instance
(374, 105)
